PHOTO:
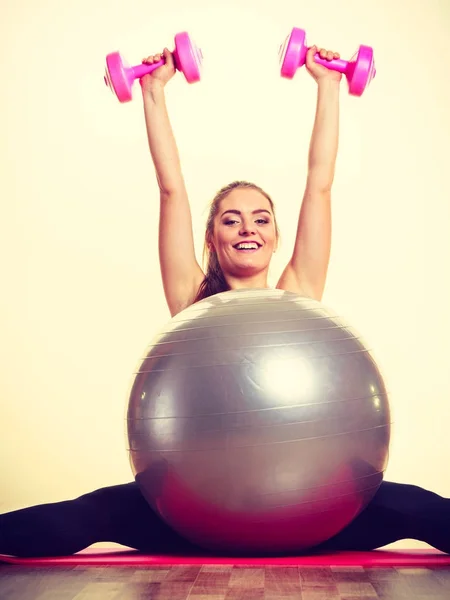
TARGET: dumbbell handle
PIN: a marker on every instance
(144, 69)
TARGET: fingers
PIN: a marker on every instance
(149, 60)
(323, 53)
(328, 54)
(154, 58)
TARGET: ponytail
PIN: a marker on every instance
(214, 281)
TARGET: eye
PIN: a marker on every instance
(230, 222)
(262, 221)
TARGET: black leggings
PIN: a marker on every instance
(121, 514)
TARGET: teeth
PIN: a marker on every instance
(247, 246)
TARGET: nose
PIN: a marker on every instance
(247, 228)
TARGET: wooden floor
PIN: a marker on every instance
(223, 583)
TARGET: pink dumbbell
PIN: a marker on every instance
(120, 77)
(360, 70)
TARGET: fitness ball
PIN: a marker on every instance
(258, 423)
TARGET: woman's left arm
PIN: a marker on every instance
(306, 271)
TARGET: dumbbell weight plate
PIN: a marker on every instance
(116, 76)
(293, 53)
(188, 58)
(364, 71)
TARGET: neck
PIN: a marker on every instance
(254, 281)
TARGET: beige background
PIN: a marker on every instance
(81, 292)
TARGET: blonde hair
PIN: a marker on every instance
(215, 281)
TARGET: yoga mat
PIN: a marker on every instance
(114, 557)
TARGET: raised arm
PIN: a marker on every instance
(307, 269)
(180, 271)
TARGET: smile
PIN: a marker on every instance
(247, 246)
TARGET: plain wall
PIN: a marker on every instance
(81, 294)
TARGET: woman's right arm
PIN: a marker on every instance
(180, 271)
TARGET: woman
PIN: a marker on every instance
(240, 238)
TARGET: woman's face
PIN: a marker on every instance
(244, 236)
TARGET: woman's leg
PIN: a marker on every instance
(397, 512)
(113, 514)
(120, 514)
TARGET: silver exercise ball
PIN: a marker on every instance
(258, 422)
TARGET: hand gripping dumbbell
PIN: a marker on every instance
(359, 70)
(119, 76)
